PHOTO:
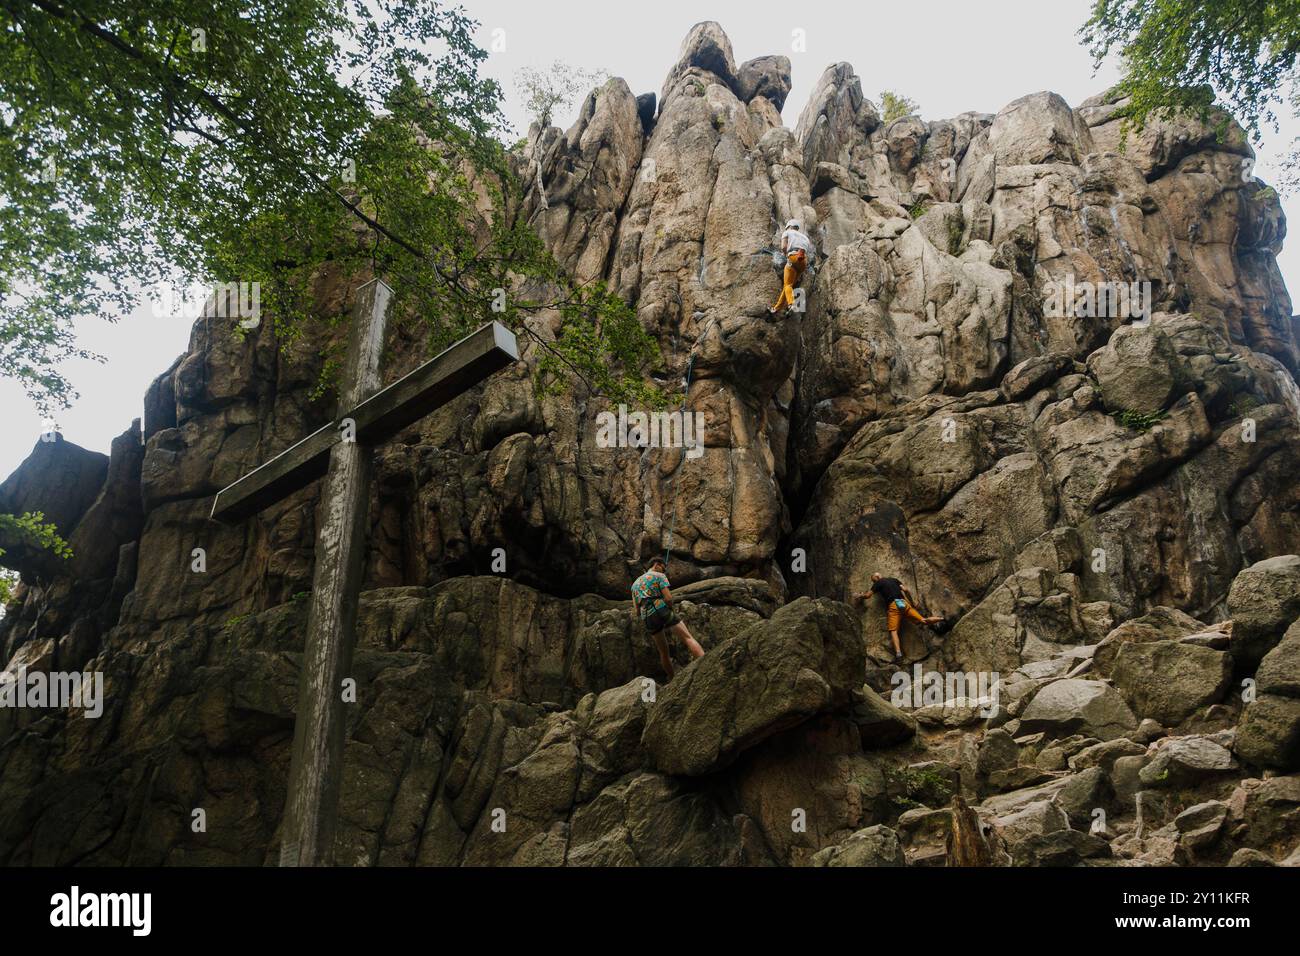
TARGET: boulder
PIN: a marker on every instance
(1169, 681)
(1036, 819)
(1279, 671)
(645, 111)
(873, 846)
(1201, 824)
(880, 723)
(1181, 761)
(1033, 374)
(1065, 706)
(1077, 794)
(767, 76)
(1104, 755)
(1158, 624)
(58, 480)
(1125, 775)
(1059, 848)
(1263, 602)
(1271, 814)
(1269, 733)
(804, 661)
(1248, 857)
(1137, 370)
(1038, 128)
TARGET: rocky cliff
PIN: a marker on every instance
(1044, 374)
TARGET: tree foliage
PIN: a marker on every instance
(30, 529)
(227, 141)
(554, 88)
(895, 106)
(1181, 56)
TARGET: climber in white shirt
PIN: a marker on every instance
(798, 249)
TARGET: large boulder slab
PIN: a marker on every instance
(1263, 601)
(1170, 681)
(1066, 706)
(806, 660)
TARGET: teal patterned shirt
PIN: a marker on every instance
(647, 591)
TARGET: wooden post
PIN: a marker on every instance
(315, 769)
(343, 457)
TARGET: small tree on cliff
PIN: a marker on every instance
(252, 141)
(1180, 56)
(895, 106)
(545, 91)
(29, 530)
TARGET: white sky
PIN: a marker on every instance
(948, 55)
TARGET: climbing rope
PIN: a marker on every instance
(690, 371)
(686, 394)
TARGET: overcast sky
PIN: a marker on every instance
(948, 55)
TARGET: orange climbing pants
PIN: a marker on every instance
(894, 616)
(795, 263)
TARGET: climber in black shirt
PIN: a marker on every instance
(898, 602)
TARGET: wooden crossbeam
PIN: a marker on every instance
(376, 419)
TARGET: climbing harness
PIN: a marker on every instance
(778, 265)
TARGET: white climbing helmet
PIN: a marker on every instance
(794, 224)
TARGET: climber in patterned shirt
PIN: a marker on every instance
(652, 600)
(798, 249)
(898, 602)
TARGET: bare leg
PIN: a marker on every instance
(691, 644)
(933, 620)
(898, 650)
(662, 643)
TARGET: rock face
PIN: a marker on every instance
(1047, 382)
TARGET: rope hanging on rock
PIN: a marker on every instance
(686, 394)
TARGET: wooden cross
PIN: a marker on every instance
(341, 451)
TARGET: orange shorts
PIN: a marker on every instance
(894, 616)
